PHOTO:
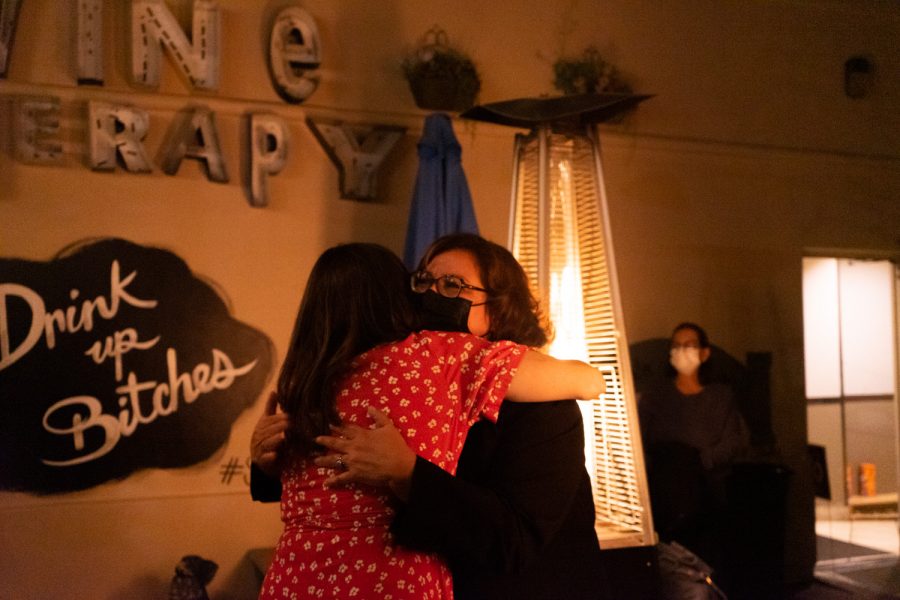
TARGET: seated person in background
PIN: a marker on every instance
(688, 410)
(692, 432)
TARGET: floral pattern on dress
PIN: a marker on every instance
(336, 542)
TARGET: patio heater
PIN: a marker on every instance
(559, 231)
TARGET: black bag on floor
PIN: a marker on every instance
(684, 576)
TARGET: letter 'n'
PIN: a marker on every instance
(153, 25)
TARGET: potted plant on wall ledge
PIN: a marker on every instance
(441, 77)
(588, 73)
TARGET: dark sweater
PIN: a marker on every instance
(708, 421)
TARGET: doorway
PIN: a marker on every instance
(850, 320)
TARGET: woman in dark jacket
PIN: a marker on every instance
(517, 521)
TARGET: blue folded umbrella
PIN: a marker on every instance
(441, 201)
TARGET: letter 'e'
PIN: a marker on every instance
(294, 49)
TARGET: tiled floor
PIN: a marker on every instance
(860, 555)
(877, 534)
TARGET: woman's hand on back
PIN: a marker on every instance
(378, 456)
(268, 438)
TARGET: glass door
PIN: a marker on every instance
(850, 356)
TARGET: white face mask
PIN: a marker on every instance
(685, 360)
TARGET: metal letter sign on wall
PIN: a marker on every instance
(118, 131)
(357, 151)
(114, 358)
(193, 134)
(36, 128)
(90, 42)
(269, 139)
(294, 49)
(153, 25)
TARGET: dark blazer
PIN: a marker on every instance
(518, 519)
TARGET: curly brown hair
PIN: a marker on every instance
(515, 313)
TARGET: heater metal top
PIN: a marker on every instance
(560, 112)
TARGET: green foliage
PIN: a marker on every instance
(587, 74)
(443, 63)
(441, 77)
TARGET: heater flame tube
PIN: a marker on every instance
(559, 233)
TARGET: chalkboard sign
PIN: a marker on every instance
(114, 358)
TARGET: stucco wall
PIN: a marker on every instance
(749, 156)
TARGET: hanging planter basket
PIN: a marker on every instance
(440, 77)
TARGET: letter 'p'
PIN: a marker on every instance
(269, 140)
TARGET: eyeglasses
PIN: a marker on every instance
(449, 286)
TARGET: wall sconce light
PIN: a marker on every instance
(859, 73)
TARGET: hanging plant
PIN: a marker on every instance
(587, 74)
(440, 76)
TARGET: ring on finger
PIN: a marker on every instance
(340, 464)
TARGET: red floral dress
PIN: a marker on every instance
(336, 543)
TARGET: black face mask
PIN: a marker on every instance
(444, 314)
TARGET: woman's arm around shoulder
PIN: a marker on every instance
(542, 378)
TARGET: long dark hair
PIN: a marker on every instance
(514, 312)
(357, 297)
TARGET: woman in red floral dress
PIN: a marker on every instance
(354, 346)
